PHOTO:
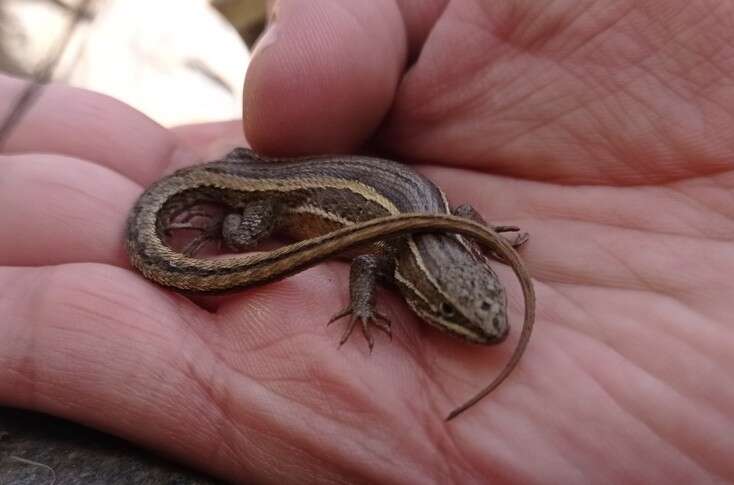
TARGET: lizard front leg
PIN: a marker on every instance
(364, 274)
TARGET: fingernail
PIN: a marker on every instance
(269, 35)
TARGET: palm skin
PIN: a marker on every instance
(603, 131)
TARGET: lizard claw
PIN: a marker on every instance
(195, 244)
(519, 240)
(366, 318)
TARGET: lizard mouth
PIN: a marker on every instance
(501, 331)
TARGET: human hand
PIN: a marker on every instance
(630, 245)
(602, 129)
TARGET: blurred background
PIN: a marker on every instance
(151, 54)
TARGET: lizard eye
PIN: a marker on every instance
(447, 310)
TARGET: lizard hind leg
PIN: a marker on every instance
(195, 218)
(254, 223)
(238, 229)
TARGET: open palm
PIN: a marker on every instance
(601, 130)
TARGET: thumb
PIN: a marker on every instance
(323, 75)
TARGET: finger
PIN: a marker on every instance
(60, 210)
(94, 344)
(83, 124)
(71, 346)
(419, 17)
(210, 140)
(323, 75)
(692, 208)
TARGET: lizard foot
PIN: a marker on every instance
(366, 317)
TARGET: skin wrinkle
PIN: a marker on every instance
(564, 440)
(644, 282)
(323, 391)
(566, 212)
(229, 428)
(388, 456)
(267, 341)
(62, 192)
(679, 38)
(701, 60)
(580, 329)
(220, 420)
(415, 38)
(454, 108)
(432, 113)
(660, 31)
(715, 105)
(418, 350)
(534, 125)
(581, 103)
(221, 362)
(723, 190)
(514, 26)
(455, 462)
(520, 407)
(681, 194)
(253, 460)
(630, 414)
(439, 433)
(622, 158)
(334, 463)
(223, 423)
(615, 101)
(319, 374)
(36, 176)
(704, 63)
(723, 243)
(544, 83)
(626, 227)
(649, 425)
(682, 303)
(41, 291)
(677, 92)
(498, 406)
(447, 443)
(343, 392)
(282, 439)
(702, 403)
(49, 282)
(636, 164)
(108, 302)
(598, 109)
(584, 42)
(550, 30)
(700, 110)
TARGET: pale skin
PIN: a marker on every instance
(604, 129)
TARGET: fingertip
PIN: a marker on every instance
(323, 76)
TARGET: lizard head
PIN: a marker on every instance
(456, 290)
